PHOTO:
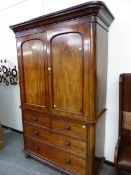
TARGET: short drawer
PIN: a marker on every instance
(35, 118)
(53, 155)
(70, 128)
(72, 145)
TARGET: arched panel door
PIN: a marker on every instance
(69, 86)
(33, 67)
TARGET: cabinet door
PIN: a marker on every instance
(32, 66)
(68, 60)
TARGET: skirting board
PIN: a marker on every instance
(109, 163)
(12, 129)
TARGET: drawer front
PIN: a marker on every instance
(61, 158)
(72, 145)
(70, 128)
(35, 118)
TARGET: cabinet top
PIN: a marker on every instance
(92, 8)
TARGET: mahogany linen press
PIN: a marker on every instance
(62, 60)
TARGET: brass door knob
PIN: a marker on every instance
(49, 68)
(83, 126)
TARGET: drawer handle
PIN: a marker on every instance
(35, 118)
(67, 127)
(67, 143)
(36, 133)
(67, 161)
(36, 149)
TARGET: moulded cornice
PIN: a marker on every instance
(93, 8)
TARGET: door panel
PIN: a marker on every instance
(68, 60)
(67, 72)
(34, 72)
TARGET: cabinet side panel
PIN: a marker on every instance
(101, 68)
(101, 76)
(100, 137)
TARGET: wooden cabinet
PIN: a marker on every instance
(62, 59)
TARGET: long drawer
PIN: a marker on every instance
(70, 128)
(60, 158)
(46, 135)
(36, 118)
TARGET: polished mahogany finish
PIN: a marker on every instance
(62, 60)
(64, 82)
(122, 156)
(71, 128)
(66, 143)
(35, 118)
(53, 154)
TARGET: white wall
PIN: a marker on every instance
(119, 58)
(119, 62)
(12, 12)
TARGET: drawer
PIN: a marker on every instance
(71, 145)
(35, 118)
(60, 158)
(70, 128)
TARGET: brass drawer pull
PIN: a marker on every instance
(67, 127)
(36, 133)
(67, 143)
(67, 161)
(35, 118)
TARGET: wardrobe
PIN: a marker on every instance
(62, 61)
